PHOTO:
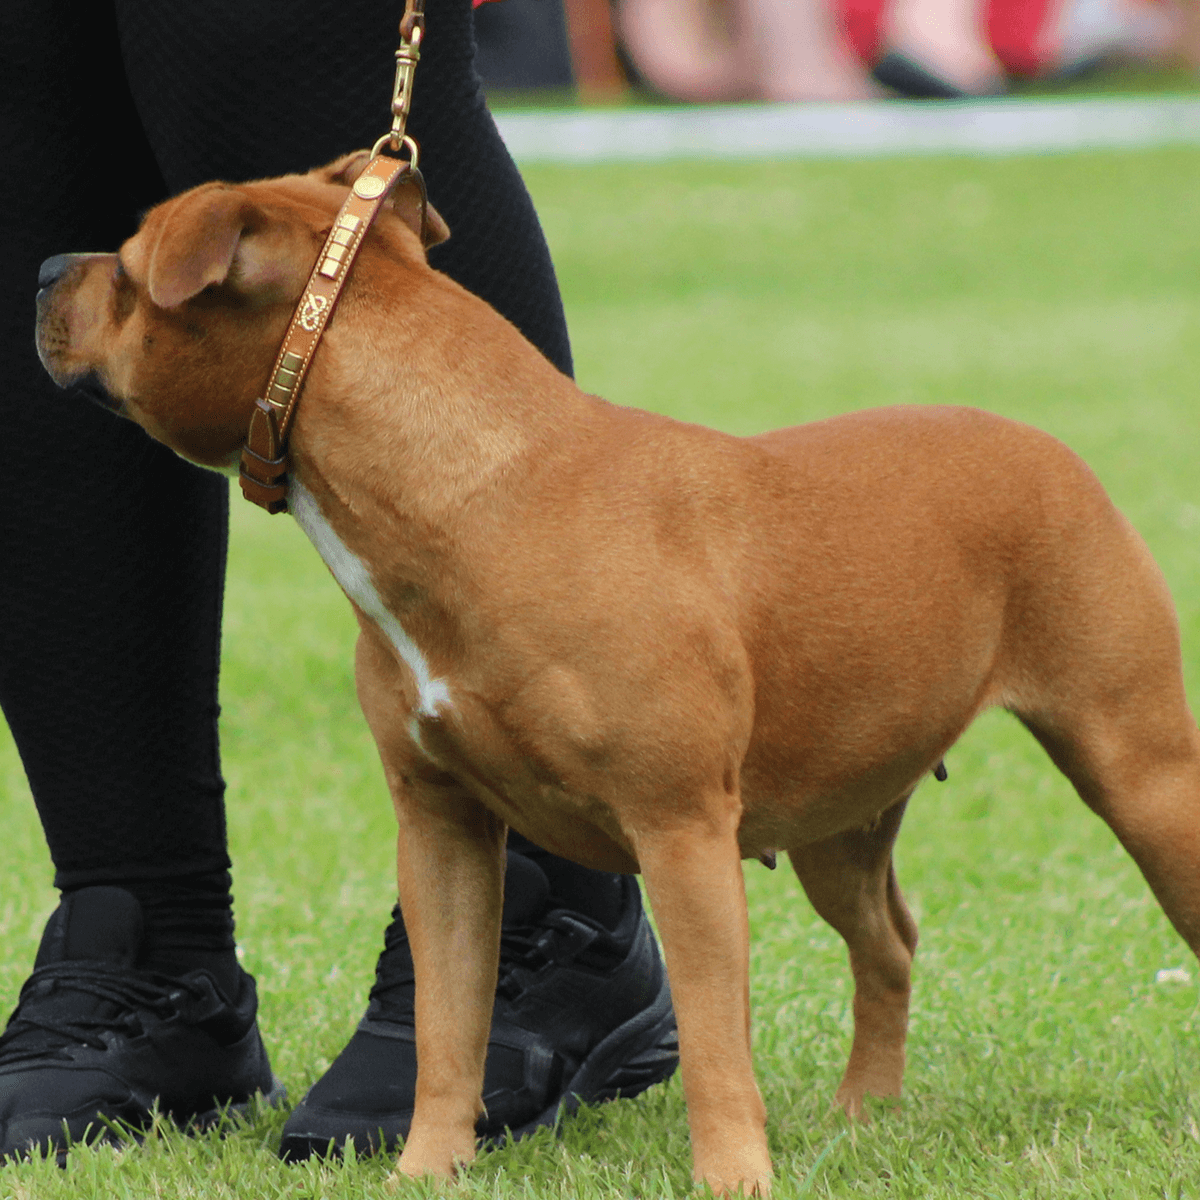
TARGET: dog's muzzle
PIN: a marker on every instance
(88, 386)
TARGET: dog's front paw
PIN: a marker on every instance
(733, 1174)
(439, 1152)
(758, 1185)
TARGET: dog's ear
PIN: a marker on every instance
(217, 234)
(195, 244)
(344, 170)
(405, 202)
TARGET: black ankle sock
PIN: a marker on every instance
(188, 926)
(596, 894)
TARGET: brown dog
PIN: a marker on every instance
(646, 645)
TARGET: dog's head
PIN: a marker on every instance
(179, 329)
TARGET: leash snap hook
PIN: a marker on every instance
(408, 54)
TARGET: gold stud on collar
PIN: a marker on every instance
(367, 187)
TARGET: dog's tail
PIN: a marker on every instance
(1090, 662)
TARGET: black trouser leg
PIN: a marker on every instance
(114, 548)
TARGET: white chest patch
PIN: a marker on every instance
(356, 582)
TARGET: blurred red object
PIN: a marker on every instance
(1040, 37)
(1016, 31)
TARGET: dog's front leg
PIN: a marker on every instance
(693, 875)
(450, 876)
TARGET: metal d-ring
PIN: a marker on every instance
(413, 152)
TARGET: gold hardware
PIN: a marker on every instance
(407, 56)
(404, 142)
(331, 264)
(284, 383)
(367, 187)
(282, 387)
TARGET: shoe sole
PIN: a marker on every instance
(913, 81)
(116, 1132)
(243, 1110)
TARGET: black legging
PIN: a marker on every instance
(112, 549)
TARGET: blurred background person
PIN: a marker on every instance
(713, 51)
(599, 76)
(742, 50)
(936, 49)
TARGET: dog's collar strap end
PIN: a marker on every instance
(264, 464)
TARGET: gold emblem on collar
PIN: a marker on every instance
(310, 314)
(367, 187)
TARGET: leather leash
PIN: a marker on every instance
(265, 461)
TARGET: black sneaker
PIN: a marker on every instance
(95, 1044)
(582, 1014)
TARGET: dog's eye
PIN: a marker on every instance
(123, 294)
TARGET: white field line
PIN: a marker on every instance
(863, 130)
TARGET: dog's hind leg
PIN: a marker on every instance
(850, 880)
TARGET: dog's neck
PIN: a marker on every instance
(462, 413)
(399, 469)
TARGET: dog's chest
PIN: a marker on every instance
(355, 580)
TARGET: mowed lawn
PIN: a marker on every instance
(1046, 1059)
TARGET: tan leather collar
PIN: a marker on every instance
(264, 466)
(265, 462)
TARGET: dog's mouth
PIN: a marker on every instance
(90, 388)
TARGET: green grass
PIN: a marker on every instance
(1044, 1058)
(1115, 79)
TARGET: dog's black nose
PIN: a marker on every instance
(53, 269)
